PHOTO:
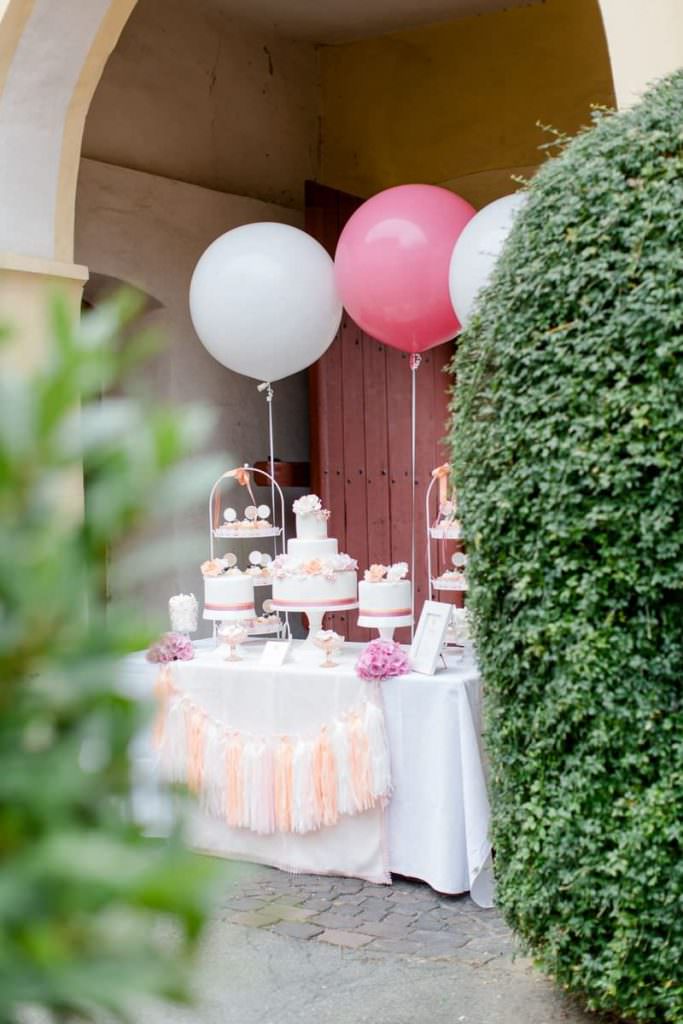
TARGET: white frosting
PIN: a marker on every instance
(310, 526)
(229, 598)
(385, 603)
(297, 593)
(304, 550)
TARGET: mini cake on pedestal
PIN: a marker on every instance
(385, 599)
(455, 578)
(313, 577)
(228, 593)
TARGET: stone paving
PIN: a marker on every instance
(405, 919)
(288, 949)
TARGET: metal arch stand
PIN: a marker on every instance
(433, 595)
(275, 489)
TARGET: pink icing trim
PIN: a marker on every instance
(385, 614)
(278, 603)
(247, 606)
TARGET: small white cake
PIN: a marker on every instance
(385, 603)
(228, 595)
(313, 576)
(385, 598)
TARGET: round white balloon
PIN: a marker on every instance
(476, 251)
(263, 300)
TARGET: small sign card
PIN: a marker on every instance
(275, 653)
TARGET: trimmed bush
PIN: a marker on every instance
(568, 446)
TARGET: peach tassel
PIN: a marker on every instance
(284, 756)
(359, 763)
(195, 723)
(325, 776)
(233, 780)
(163, 688)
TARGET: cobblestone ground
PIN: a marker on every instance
(406, 919)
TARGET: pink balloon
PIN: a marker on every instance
(392, 264)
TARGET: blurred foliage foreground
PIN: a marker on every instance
(93, 915)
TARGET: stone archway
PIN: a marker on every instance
(52, 53)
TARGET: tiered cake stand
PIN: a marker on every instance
(220, 531)
(447, 534)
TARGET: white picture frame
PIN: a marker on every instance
(428, 642)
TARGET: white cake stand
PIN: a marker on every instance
(315, 615)
(385, 632)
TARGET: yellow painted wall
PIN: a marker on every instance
(458, 103)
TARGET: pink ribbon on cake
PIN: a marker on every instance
(388, 613)
(247, 606)
(279, 603)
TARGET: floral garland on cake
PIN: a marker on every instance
(285, 566)
(378, 573)
(273, 783)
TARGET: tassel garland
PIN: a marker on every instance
(273, 783)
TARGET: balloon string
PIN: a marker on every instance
(271, 443)
(415, 361)
(267, 387)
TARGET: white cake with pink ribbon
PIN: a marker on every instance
(385, 598)
(313, 576)
(228, 593)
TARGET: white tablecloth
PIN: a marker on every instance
(438, 817)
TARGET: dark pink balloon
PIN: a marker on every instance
(392, 264)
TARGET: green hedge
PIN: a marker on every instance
(568, 445)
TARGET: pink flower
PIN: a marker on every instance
(313, 567)
(171, 647)
(382, 659)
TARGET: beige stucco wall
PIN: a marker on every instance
(189, 95)
(645, 39)
(458, 103)
(150, 231)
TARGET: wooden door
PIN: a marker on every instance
(360, 432)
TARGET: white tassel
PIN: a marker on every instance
(346, 803)
(213, 793)
(249, 756)
(262, 812)
(173, 753)
(380, 765)
(304, 817)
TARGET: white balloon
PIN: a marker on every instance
(263, 300)
(476, 251)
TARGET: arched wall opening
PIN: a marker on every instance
(207, 117)
(214, 113)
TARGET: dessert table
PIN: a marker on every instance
(435, 825)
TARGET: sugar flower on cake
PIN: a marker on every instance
(375, 573)
(397, 571)
(310, 505)
(343, 563)
(214, 567)
(284, 566)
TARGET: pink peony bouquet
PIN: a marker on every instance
(382, 659)
(171, 647)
